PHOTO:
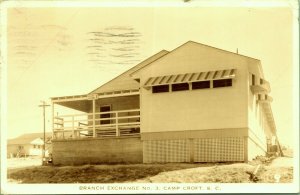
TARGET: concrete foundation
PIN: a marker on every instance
(97, 151)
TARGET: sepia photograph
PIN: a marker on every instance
(177, 96)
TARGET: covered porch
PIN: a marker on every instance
(111, 114)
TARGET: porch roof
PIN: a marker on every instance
(83, 102)
(190, 77)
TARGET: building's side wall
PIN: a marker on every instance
(195, 109)
(259, 128)
(12, 150)
(96, 151)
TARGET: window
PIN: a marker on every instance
(253, 79)
(201, 85)
(222, 83)
(105, 108)
(180, 87)
(21, 147)
(39, 146)
(261, 81)
(34, 146)
(160, 89)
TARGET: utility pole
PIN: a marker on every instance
(44, 105)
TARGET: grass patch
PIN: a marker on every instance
(93, 173)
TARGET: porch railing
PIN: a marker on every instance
(99, 124)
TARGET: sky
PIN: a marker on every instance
(63, 51)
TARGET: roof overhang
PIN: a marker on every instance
(190, 77)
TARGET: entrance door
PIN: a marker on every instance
(105, 108)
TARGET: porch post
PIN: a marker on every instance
(73, 127)
(94, 129)
(117, 125)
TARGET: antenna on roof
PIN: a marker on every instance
(237, 50)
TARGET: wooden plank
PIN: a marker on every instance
(58, 123)
(69, 99)
(132, 110)
(71, 115)
(94, 130)
(82, 120)
(133, 123)
(128, 117)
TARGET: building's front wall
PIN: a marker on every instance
(117, 104)
(35, 151)
(217, 108)
(205, 125)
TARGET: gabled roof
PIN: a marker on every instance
(28, 138)
(124, 81)
(128, 80)
(134, 73)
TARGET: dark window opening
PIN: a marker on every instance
(201, 85)
(160, 89)
(261, 81)
(106, 115)
(253, 79)
(180, 87)
(222, 83)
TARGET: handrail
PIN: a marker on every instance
(120, 122)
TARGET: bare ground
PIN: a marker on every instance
(91, 173)
(233, 173)
(156, 173)
(29, 170)
(14, 163)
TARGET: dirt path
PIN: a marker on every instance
(16, 163)
(280, 170)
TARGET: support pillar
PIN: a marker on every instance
(117, 125)
(94, 128)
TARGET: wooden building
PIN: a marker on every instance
(195, 103)
(28, 145)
